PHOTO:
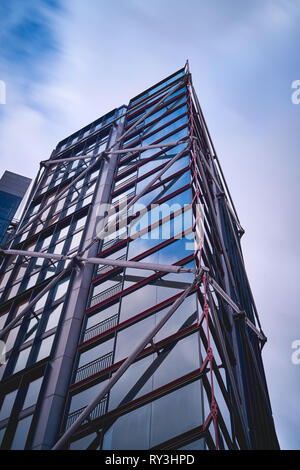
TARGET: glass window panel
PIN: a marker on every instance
(82, 399)
(185, 314)
(7, 404)
(5, 278)
(32, 393)
(54, 317)
(64, 231)
(105, 285)
(128, 338)
(13, 291)
(88, 200)
(177, 360)
(80, 222)
(20, 271)
(137, 302)
(131, 431)
(45, 348)
(176, 413)
(32, 329)
(3, 320)
(21, 433)
(59, 248)
(135, 382)
(2, 369)
(41, 303)
(83, 443)
(75, 241)
(164, 190)
(61, 289)
(195, 445)
(2, 432)
(166, 130)
(102, 315)
(32, 281)
(121, 197)
(46, 242)
(117, 254)
(177, 166)
(22, 360)
(167, 119)
(12, 335)
(96, 352)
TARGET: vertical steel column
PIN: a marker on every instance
(61, 366)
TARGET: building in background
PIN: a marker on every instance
(12, 190)
(199, 383)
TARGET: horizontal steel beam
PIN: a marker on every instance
(31, 304)
(139, 265)
(125, 150)
(34, 254)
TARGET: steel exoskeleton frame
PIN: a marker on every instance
(203, 169)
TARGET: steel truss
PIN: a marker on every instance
(202, 167)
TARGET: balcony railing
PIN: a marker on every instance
(96, 330)
(106, 294)
(110, 243)
(94, 367)
(98, 411)
(125, 168)
(120, 184)
(105, 269)
(126, 197)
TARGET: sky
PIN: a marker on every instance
(65, 63)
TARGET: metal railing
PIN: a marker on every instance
(94, 367)
(110, 243)
(106, 294)
(100, 327)
(125, 168)
(123, 199)
(105, 269)
(120, 184)
(98, 411)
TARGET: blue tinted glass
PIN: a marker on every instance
(176, 413)
(84, 398)
(96, 352)
(166, 130)
(7, 404)
(32, 392)
(131, 431)
(83, 443)
(21, 433)
(137, 380)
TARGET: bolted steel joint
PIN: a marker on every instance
(214, 409)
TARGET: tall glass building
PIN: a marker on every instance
(12, 190)
(131, 219)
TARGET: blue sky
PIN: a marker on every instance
(65, 63)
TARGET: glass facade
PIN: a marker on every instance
(12, 190)
(179, 392)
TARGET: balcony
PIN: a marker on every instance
(98, 411)
(105, 269)
(120, 184)
(93, 367)
(106, 294)
(111, 242)
(100, 327)
(124, 199)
